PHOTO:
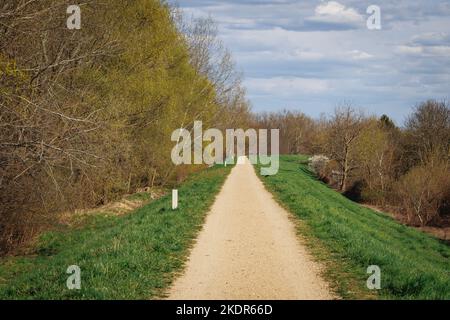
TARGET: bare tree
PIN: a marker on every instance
(213, 60)
(48, 127)
(344, 128)
(297, 131)
(428, 133)
(375, 152)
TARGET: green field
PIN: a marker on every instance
(348, 238)
(128, 257)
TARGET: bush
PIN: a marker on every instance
(423, 193)
(318, 164)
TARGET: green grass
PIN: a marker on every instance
(128, 257)
(348, 238)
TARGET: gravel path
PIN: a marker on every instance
(248, 249)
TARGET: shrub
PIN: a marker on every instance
(423, 193)
(318, 164)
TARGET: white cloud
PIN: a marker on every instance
(301, 55)
(431, 39)
(443, 51)
(311, 54)
(359, 55)
(336, 13)
(425, 51)
(408, 50)
(286, 86)
(430, 44)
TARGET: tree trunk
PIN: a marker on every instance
(345, 171)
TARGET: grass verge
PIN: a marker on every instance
(124, 257)
(348, 238)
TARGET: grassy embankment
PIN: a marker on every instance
(348, 238)
(126, 257)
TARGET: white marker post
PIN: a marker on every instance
(174, 199)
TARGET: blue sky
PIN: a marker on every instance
(312, 55)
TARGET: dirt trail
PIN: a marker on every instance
(248, 249)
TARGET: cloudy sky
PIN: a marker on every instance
(311, 55)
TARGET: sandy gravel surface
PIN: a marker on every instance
(248, 249)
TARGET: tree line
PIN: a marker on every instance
(405, 169)
(86, 115)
